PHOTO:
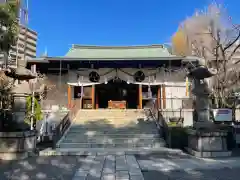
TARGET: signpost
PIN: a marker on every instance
(222, 115)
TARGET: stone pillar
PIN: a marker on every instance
(19, 107)
(202, 104)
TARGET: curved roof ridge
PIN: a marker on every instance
(78, 46)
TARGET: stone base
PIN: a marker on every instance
(8, 156)
(210, 154)
(17, 145)
(208, 143)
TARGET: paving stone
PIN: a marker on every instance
(85, 167)
(79, 178)
(140, 178)
(122, 175)
(121, 163)
(95, 172)
(92, 177)
(81, 172)
(108, 177)
(109, 170)
(135, 172)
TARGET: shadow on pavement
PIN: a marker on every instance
(216, 174)
(41, 168)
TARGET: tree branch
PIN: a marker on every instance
(234, 51)
(233, 42)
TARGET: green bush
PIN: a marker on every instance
(177, 137)
(37, 110)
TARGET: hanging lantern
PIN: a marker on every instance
(94, 76)
(139, 76)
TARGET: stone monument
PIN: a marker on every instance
(20, 142)
(205, 139)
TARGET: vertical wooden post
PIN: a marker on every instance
(97, 106)
(140, 96)
(159, 104)
(93, 96)
(69, 96)
(164, 96)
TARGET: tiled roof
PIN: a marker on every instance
(117, 52)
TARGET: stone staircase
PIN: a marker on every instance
(111, 129)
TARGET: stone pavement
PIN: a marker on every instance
(105, 166)
(110, 167)
(41, 168)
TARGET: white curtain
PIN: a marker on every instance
(153, 76)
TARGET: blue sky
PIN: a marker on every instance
(61, 23)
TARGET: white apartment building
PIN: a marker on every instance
(25, 47)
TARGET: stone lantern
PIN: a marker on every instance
(21, 91)
(205, 139)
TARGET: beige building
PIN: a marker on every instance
(25, 47)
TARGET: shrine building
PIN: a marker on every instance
(117, 76)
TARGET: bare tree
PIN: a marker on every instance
(211, 35)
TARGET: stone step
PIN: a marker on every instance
(109, 118)
(99, 125)
(102, 135)
(162, 151)
(109, 131)
(111, 111)
(108, 140)
(103, 127)
(109, 145)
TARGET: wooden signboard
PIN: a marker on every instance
(117, 104)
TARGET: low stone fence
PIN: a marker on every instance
(17, 145)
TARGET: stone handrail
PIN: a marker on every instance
(65, 123)
(60, 129)
(159, 120)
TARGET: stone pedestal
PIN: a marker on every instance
(208, 143)
(19, 107)
(17, 145)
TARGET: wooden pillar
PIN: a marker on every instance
(159, 104)
(97, 106)
(93, 96)
(140, 96)
(69, 96)
(164, 96)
